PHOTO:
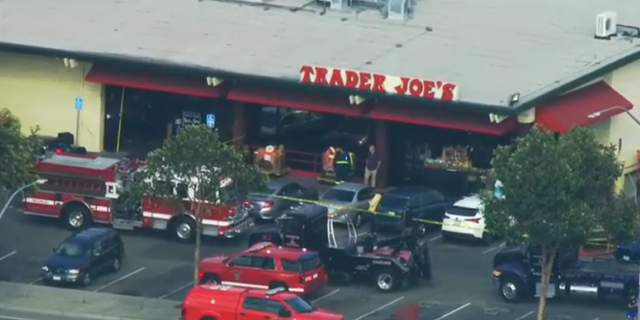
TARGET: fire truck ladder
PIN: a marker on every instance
(331, 235)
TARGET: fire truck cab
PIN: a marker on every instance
(82, 190)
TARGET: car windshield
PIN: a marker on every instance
(299, 305)
(338, 195)
(393, 201)
(72, 250)
(462, 211)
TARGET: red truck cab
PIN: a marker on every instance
(220, 302)
(267, 266)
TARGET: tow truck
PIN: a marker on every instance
(389, 263)
(516, 274)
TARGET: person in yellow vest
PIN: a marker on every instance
(342, 165)
(373, 208)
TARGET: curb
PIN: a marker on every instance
(66, 314)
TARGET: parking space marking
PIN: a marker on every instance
(435, 238)
(35, 281)
(8, 255)
(454, 311)
(378, 309)
(15, 318)
(326, 295)
(528, 314)
(175, 290)
(119, 279)
(500, 246)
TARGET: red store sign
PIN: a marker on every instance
(361, 80)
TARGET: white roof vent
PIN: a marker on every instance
(606, 25)
(397, 9)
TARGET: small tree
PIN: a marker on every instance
(195, 169)
(18, 153)
(558, 191)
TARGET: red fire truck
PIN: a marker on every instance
(85, 189)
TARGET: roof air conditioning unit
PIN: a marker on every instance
(397, 9)
(606, 25)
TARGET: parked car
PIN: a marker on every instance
(348, 195)
(84, 256)
(465, 219)
(399, 206)
(267, 266)
(269, 207)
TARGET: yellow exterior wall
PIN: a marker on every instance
(41, 91)
(627, 82)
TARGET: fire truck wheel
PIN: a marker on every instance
(76, 216)
(210, 278)
(387, 279)
(278, 284)
(511, 289)
(184, 229)
(208, 318)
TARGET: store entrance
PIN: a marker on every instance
(149, 117)
(450, 161)
(306, 135)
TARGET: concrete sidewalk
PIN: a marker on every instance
(84, 304)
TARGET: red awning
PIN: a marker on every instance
(582, 107)
(304, 100)
(151, 80)
(422, 115)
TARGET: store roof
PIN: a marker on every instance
(488, 48)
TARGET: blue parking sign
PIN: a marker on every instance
(79, 103)
(211, 120)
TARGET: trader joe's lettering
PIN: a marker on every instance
(379, 82)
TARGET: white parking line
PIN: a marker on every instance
(8, 255)
(435, 238)
(378, 309)
(500, 246)
(528, 314)
(119, 279)
(326, 295)
(35, 281)
(596, 319)
(15, 318)
(454, 311)
(176, 290)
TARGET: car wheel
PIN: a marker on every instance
(387, 280)
(511, 289)
(210, 278)
(87, 280)
(277, 284)
(184, 229)
(487, 239)
(115, 266)
(76, 217)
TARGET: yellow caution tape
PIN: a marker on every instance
(372, 209)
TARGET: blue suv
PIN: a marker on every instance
(83, 256)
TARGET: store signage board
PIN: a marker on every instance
(211, 120)
(368, 81)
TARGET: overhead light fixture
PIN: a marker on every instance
(355, 99)
(70, 63)
(514, 98)
(214, 81)
(496, 118)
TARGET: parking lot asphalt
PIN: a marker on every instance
(156, 267)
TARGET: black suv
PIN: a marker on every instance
(84, 256)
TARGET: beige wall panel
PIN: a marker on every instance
(41, 91)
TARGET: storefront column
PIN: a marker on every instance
(239, 123)
(382, 146)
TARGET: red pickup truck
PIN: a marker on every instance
(220, 302)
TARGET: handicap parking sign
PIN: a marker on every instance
(79, 103)
(211, 120)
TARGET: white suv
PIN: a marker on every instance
(465, 220)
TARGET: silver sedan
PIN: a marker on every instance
(348, 195)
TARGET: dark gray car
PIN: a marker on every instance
(351, 195)
(280, 196)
